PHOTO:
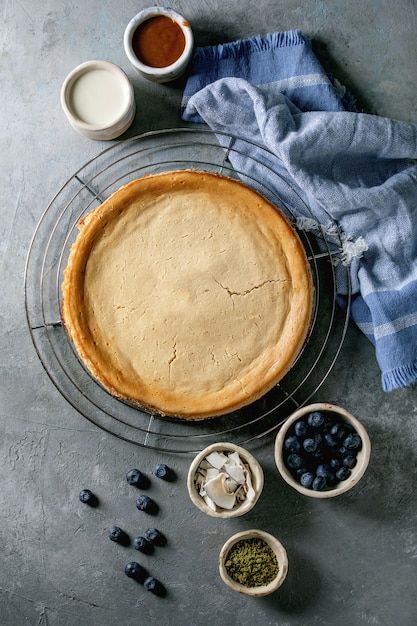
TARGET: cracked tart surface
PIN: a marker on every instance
(187, 294)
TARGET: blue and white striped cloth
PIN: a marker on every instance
(354, 170)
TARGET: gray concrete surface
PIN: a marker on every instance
(352, 560)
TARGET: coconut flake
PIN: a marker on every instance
(216, 459)
(250, 492)
(209, 503)
(235, 458)
(204, 464)
(235, 471)
(216, 491)
(241, 494)
(231, 485)
(211, 472)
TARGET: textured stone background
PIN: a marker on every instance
(352, 560)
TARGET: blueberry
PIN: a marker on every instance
(342, 473)
(330, 440)
(162, 471)
(306, 479)
(318, 483)
(300, 428)
(327, 424)
(335, 463)
(338, 431)
(300, 471)
(292, 444)
(324, 470)
(294, 461)
(352, 442)
(137, 478)
(136, 571)
(318, 438)
(118, 535)
(145, 503)
(88, 497)
(309, 445)
(143, 545)
(155, 537)
(152, 584)
(349, 461)
(315, 419)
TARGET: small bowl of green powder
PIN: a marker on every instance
(253, 562)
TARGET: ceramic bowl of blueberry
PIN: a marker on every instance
(322, 450)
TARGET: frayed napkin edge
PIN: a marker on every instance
(257, 43)
(403, 376)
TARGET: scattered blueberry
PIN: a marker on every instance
(137, 478)
(143, 545)
(88, 497)
(136, 571)
(118, 535)
(145, 503)
(152, 584)
(315, 419)
(162, 471)
(155, 537)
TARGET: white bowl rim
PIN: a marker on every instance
(359, 469)
(280, 553)
(257, 475)
(145, 15)
(79, 71)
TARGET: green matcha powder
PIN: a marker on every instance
(252, 563)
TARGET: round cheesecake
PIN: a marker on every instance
(187, 294)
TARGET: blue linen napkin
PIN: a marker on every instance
(356, 172)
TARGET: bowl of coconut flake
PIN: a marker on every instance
(225, 480)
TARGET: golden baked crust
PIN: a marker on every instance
(187, 294)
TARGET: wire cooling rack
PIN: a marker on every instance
(150, 153)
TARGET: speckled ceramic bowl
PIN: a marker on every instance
(356, 472)
(257, 481)
(98, 100)
(277, 548)
(159, 74)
